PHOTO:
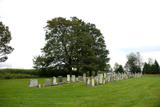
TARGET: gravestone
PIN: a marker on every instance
(104, 80)
(39, 85)
(109, 76)
(77, 79)
(60, 80)
(54, 81)
(104, 75)
(100, 78)
(33, 83)
(47, 83)
(73, 78)
(84, 77)
(92, 81)
(96, 80)
(80, 78)
(68, 78)
(88, 81)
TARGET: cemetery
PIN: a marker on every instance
(69, 63)
(100, 79)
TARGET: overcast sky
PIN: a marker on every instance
(127, 26)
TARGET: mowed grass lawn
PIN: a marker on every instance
(135, 92)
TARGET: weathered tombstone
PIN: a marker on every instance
(104, 75)
(47, 82)
(54, 81)
(33, 83)
(77, 79)
(84, 77)
(68, 78)
(96, 80)
(109, 76)
(92, 81)
(73, 78)
(60, 80)
(118, 76)
(39, 85)
(88, 81)
(101, 79)
(80, 78)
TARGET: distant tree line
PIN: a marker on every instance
(134, 64)
(151, 68)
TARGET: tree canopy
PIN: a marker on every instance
(5, 37)
(73, 45)
(118, 68)
(151, 68)
(134, 62)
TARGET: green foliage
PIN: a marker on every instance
(134, 62)
(18, 73)
(118, 68)
(72, 44)
(151, 68)
(5, 37)
(135, 92)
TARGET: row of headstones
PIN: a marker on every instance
(102, 78)
(55, 81)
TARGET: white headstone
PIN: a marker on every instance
(54, 81)
(93, 82)
(73, 78)
(33, 83)
(84, 77)
(39, 85)
(77, 79)
(109, 76)
(68, 78)
(101, 79)
(88, 81)
(104, 75)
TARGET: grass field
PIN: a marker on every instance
(135, 92)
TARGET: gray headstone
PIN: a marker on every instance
(60, 79)
(47, 82)
(80, 78)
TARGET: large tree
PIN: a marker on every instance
(134, 62)
(72, 44)
(5, 37)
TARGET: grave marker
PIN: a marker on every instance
(33, 83)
